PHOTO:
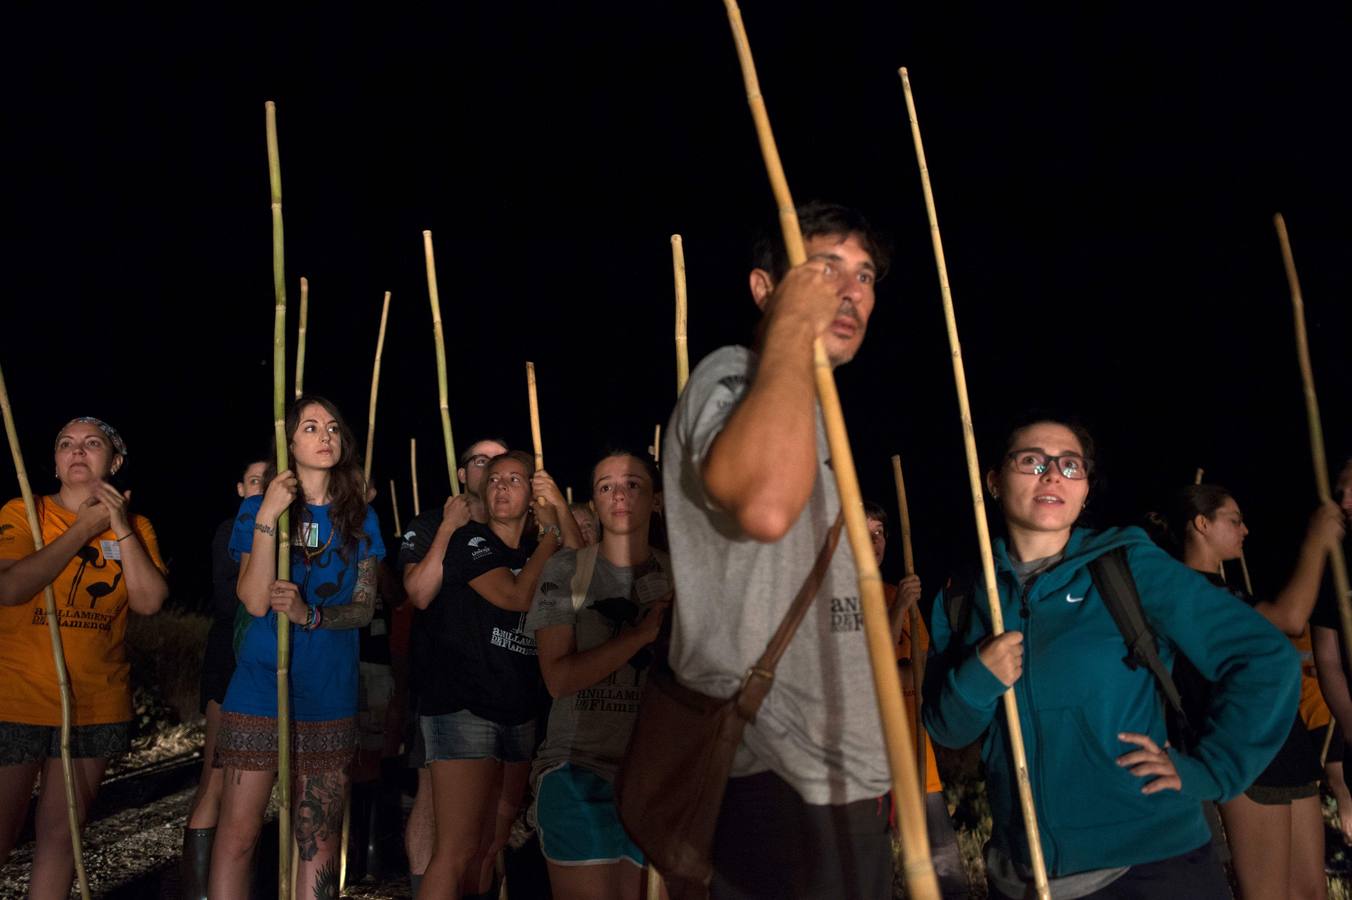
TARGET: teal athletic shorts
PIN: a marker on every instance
(578, 821)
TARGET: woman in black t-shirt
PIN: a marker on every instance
(1275, 828)
(478, 710)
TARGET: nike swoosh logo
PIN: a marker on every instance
(1070, 599)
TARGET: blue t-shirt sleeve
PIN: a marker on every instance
(241, 538)
(374, 545)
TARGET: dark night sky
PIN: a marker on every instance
(1105, 182)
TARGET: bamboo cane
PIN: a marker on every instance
(919, 871)
(1220, 564)
(655, 451)
(394, 505)
(300, 335)
(58, 651)
(1337, 561)
(1328, 742)
(568, 491)
(534, 416)
(917, 657)
(682, 347)
(435, 299)
(413, 465)
(1039, 865)
(283, 521)
(375, 389)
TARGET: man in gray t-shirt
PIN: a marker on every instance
(749, 499)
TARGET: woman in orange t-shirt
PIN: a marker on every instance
(101, 561)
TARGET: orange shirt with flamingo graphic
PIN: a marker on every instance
(91, 604)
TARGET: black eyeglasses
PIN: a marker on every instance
(1072, 466)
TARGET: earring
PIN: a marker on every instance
(995, 495)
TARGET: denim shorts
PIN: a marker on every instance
(463, 735)
(21, 744)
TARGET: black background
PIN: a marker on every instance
(1105, 182)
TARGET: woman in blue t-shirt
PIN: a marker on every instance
(335, 547)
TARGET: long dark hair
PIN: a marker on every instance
(347, 485)
(1170, 527)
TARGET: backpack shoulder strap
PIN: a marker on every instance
(958, 595)
(1112, 577)
(582, 576)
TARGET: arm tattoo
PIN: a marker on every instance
(357, 613)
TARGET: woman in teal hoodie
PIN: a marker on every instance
(1119, 810)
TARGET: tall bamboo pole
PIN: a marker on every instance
(917, 657)
(920, 878)
(682, 346)
(394, 505)
(375, 390)
(1039, 865)
(435, 299)
(534, 401)
(58, 651)
(300, 335)
(284, 520)
(1337, 562)
(413, 466)
(655, 451)
(1220, 564)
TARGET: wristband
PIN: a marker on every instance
(554, 530)
(124, 537)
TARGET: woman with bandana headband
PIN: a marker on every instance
(101, 562)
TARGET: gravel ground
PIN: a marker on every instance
(117, 849)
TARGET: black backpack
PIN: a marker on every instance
(1112, 577)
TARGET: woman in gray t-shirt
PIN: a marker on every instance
(595, 614)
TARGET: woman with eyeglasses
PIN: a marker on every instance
(101, 561)
(330, 594)
(1119, 810)
(1275, 826)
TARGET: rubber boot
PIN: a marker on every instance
(195, 865)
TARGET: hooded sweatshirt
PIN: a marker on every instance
(1076, 694)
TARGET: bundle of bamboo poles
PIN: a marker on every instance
(284, 520)
(920, 877)
(1039, 865)
(58, 651)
